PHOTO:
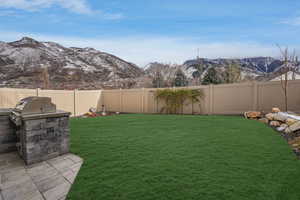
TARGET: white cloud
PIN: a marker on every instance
(76, 6)
(144, 49)
(293, 21)
(4, 13)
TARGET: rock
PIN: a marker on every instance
(264, 120)
(282, 127)
(90, 114)
(270, 116)
(295, 145)
(290, 121)
(275, 110)
(93, 110)
(252, 114)
(275, 123)
(294, 141)
(293, 128)
(280, 117)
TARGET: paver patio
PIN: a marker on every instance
(48, 180)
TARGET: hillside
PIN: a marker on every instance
(27, 62)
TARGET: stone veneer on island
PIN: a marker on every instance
(36, 129)
(43, 136)
(8, 137)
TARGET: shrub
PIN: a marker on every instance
(175, 99)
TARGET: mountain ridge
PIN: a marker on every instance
(26, 63)
(22, 60)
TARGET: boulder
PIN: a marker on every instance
(294, 141)
(280, 117)
(282, 127)
(90, 114)
(293, 128)
(93, 110)
(275, 110)
(290, 121)
(270, 116)
(264, 120)
(252, 114)
(275, 123)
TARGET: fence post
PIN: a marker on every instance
(255, 96)
(143, 100)
(146, 101)
(211, 99)
(38, 91)
(121, 99)
(75, 101)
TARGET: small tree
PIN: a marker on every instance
(195, 96)
(211, 77)
(290, 62)
(199, 69)
(180, 79)
(175, 99)
(233, 73)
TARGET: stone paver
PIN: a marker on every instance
(48, 180)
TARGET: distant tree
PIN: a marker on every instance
(199, 69)
(161, 74)
(157, 80)
(233, 73)
(211, 77)
(180, 79)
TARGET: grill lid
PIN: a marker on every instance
(35, 105)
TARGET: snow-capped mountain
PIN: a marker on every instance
(23, 63)
(28, 63)
(256, 65)
(257, 68)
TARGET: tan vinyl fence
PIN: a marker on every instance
(75, 101)
(219, 99)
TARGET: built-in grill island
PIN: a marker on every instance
(42, 131)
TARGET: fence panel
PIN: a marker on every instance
(271, 95)
(10, 97)
(112, 100)
(232, 98)
(84, 100)
(132, 101)
(64, 99)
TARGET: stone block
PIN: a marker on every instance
(44, 139)
(36, 124)
(8, 147)
(58, 192)
(8, 137)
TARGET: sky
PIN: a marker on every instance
(169, 31)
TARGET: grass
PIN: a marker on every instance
(160, 157)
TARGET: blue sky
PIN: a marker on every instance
(157, 30)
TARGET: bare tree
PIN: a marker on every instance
(289, 65)
(162, 75)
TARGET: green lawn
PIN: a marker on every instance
(158, 157)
